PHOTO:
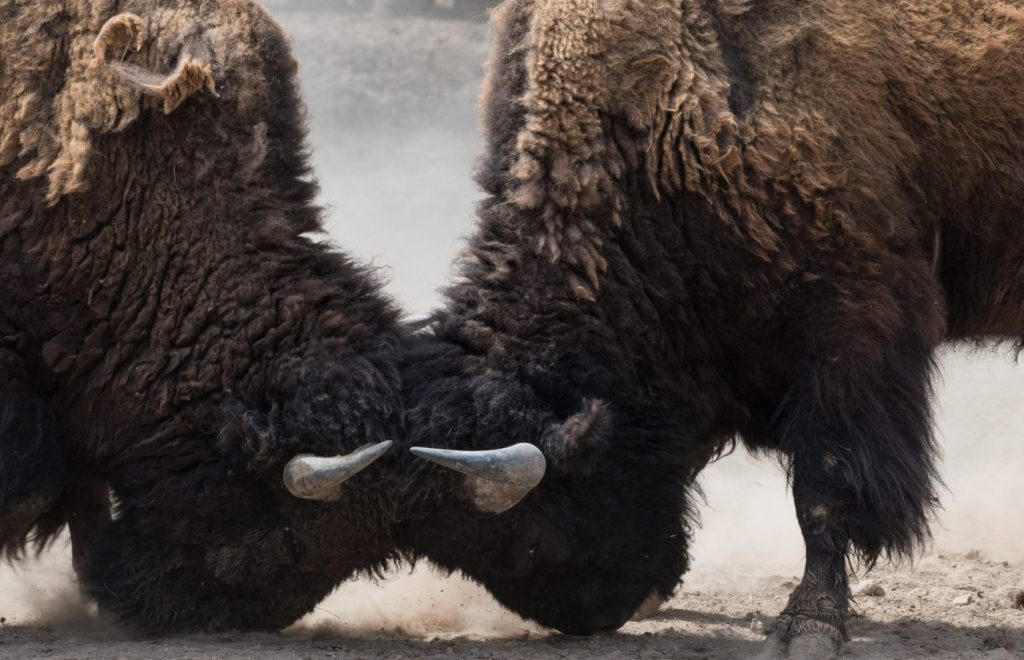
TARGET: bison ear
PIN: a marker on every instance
(574, 445)
(127, 33)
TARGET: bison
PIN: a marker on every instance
(171, 343)
(709, 222)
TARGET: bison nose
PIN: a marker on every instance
(594, 615)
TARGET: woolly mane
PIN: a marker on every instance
(613, 87)
(101, 62)
(657, 66)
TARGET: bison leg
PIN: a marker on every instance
(814, 623)
(856, 429)
(32, 470)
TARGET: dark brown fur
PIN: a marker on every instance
(166, 329)
(721, 218)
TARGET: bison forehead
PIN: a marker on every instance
(118, 61)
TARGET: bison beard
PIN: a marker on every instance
(719, 220)
(167, 333)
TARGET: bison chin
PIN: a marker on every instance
(590, 596)
(571, 606)
(575, 542)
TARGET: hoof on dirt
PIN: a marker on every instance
(774, 648)
(813, 646)
(798, 638)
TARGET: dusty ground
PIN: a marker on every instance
(717, 616)
(392, 110)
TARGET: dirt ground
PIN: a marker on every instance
(394, 138)
(718, 615)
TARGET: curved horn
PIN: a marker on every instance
(416, 322)
(318, 478)
(498, 478)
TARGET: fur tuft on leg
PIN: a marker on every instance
(32, 470)
(871, 432)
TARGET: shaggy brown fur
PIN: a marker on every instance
(721, 218)
(165, 329)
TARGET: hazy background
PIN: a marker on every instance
(394, 134)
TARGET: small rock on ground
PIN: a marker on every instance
(868, 588)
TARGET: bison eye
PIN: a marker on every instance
(532, 550)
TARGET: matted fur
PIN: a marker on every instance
(720, 219)
(167, 329)
(56, 97)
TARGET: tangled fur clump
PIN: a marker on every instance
(50, 127)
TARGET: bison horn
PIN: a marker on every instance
(416, 322)
(499, 478)
(318, 478)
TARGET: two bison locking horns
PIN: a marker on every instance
(706, 220)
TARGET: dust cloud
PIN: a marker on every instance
(43, 591)
(748, 519)
(392, 111)
(420, 603)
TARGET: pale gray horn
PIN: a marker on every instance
(499, 478)
(319, 478)
(416, 322)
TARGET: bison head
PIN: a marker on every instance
(567, 326)
(573, 520)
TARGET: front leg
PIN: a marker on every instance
(40, 489)
(856, 429)
(813, 624)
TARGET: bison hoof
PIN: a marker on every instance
(814, 646)
(805, 639)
